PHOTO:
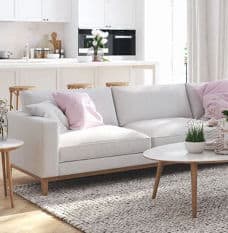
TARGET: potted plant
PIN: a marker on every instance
(98, 43)
(195, 140)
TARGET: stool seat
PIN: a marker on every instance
(79, 85)
(21, 88)
(16, 91)
(117, 84)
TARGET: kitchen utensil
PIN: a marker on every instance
(56, 43)
(5, 54)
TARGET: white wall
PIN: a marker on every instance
(165, 38)
(14, 36)
(71, 33)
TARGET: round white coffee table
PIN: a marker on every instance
(176, 153)
(5, 148)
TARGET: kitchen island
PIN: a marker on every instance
(56, 74)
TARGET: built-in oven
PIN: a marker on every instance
(120, 42)
(124, 42)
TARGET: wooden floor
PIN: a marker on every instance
(26, 217)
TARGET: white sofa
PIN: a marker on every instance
(136, 119)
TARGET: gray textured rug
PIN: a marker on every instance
(122, 203)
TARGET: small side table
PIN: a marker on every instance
(5, 148)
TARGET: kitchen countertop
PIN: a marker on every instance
(70, 62)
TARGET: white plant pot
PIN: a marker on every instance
(195, 147)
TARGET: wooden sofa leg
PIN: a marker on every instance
(44, 187)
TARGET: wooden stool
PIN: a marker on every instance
(117, 84)
(16, 91)
(79, 85)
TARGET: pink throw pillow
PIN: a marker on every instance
(213, 87)
(79, 109)
(214, 104)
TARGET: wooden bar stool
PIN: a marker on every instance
(15, 90)
(117, 84)
(79, 85)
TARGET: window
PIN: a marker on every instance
(165, 38)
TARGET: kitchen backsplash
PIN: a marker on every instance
(14, 36)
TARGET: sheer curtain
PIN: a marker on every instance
(207, 40)
(166, 37)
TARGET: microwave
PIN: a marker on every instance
(120, 42)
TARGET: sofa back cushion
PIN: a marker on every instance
(146, 103)
(195, 101)
(102, 98)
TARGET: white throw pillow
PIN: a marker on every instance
(49, 110)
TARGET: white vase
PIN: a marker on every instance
(195, 147)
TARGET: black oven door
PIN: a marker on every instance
(124, 43)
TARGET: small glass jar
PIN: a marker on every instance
(46, 51)
(38, 53)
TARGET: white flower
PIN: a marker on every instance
(95, 32)
(94, 43)
(99, 33)
(105, 34)
(104, 41)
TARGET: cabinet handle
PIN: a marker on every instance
(123, 37)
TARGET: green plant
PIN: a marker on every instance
(195, 132)
(225, 113)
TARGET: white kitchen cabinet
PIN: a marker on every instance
(7, 79)
(110, 14)
(120, 14)
(75, 75)
(6, 10)
(28, 10)
(56, 10)
(40, 78)
(91, 13)
(43, 10)
(120, 74)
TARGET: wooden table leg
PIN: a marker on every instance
(9, 175)
(4, 173)
(157, 179)
(194, 169)
(44, 187)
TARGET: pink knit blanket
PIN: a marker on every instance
(215, 98)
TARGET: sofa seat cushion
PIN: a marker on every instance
(162, 131)
(100, 142)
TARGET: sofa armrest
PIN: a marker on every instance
(39, 155)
